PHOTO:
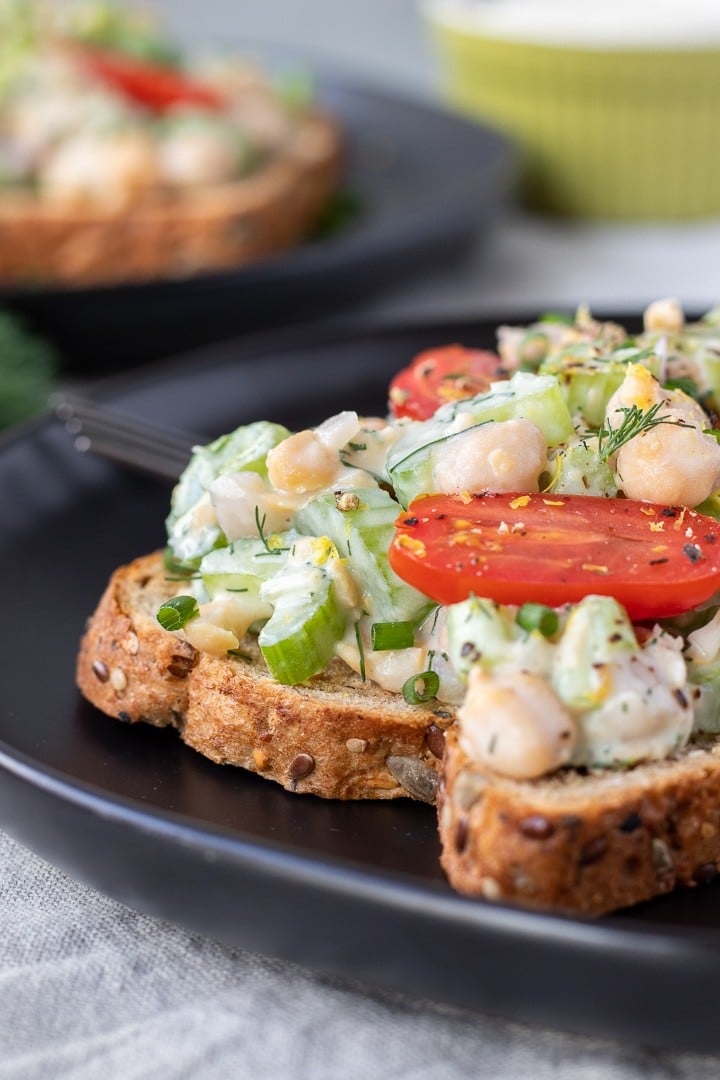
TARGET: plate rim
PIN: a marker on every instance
(618, 937)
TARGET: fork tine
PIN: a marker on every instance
(104, 431)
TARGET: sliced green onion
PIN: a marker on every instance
(538, 617)
(175, 613)
(420, 688)
(392, 635)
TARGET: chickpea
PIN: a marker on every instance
(209, 638)
(670, 463)
(200, 155)
(639, 387)
(507, 456)
(239, 499)
(107, 169)
(302, 463)
(515, 724)
(666, 314)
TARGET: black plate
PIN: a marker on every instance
(426, 183)
(352, 888)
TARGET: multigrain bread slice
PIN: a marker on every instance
(166, 234)
(335, 736)
(581, 842)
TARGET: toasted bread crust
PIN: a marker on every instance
(335, 736)
(581, 843)
(174, 234)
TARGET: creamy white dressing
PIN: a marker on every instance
(522, 714)
(646, 711)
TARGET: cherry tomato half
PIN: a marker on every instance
(449, 373)
(152, 85)
(655, 560)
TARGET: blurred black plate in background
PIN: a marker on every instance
(351, 888)
(426, 183)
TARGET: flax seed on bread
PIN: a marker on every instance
(335, 736)
(581, 842)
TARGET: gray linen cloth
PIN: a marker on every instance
(90, 990)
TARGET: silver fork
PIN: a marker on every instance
(110, 433)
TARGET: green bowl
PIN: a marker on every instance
(620, 133)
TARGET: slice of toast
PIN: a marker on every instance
(335, 736)
(170, 234)
(581, 842)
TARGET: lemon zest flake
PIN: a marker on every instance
(411, 544)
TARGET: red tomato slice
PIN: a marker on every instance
(152, 85)
(449, 373)
(655, 560)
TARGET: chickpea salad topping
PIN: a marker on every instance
(98, 105)
(532, 534)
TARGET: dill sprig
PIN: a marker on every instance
(635, 422)
(260, 523)
(261, 527)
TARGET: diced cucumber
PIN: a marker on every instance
(597, 632)
(245, 563)
(588, 382)
(300, 637)
(577, 470)
(481, 632)
(702, 655)
(363, 535)
(242, 567)
(708, 362)
(711, 506)
(706, 705)
(537, 398)
(192, 532)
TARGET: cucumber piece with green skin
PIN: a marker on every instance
(301, 636)
(537, 398)
(242, 567)
(577, 470)
(363, 534)
(588, 382)
(190, 536)
(711, 507)
(245, 563)
(598, 631)
(702, 655)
